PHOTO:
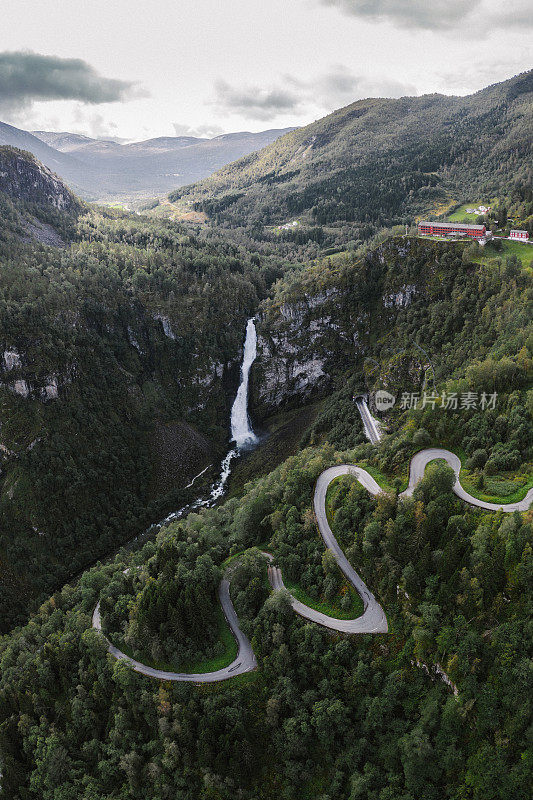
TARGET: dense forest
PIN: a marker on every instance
(323, 716)
(120, 343)
(439, 707)
(121, 350)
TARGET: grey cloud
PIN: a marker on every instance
(92, 123)
(424, 14)
(442, 15)
(254, 101)
(335, 88)
(483, 73)
(26, 77)
(340, 86)
(513, 14)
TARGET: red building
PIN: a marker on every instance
(522, 236)
(451, 229)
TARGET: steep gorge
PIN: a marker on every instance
(119, 362)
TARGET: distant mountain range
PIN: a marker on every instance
(380, 162)
(100, 169)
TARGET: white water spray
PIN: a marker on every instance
(241, 433)
(241, 430)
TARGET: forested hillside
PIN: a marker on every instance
(377, 163)
(120, 343)
(439, 706)
(385, 317)
(120, 357)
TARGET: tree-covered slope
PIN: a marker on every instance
(125, 318)
(119, 357)
(378, 161)
(351, 315)
(437, 708)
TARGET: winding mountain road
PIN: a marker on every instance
(245, 661)
(419, 463)
(373, 619)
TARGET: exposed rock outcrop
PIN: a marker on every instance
(133, 340)
(167, 327)
(50, 390)
(24, 178)
(307, 338)
(23, 383)
(20, 387)
(11, 359)
(401, 299)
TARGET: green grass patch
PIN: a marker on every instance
(385, 481)
(497, 488)
(489, 255)
(202, 665)
(461, 215)
(334, 609)
(501, 489)
(523, 252)
(224, 659)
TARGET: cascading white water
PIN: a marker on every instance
(241, 431)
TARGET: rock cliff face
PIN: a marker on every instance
(22, 380)
(309, 335)
(294, 350)
(24, 178)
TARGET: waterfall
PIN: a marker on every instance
(241, 431)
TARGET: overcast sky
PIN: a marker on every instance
(132, 69)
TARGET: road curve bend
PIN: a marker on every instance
(419, 463)
(373, 619)
(245, 661)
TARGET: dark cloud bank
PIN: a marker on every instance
(26, 77)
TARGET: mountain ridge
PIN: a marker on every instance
(24, 177)
(377, 161)
(103, 169)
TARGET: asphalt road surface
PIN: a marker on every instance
(245, 661)
(373, 619)
(371, 425)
